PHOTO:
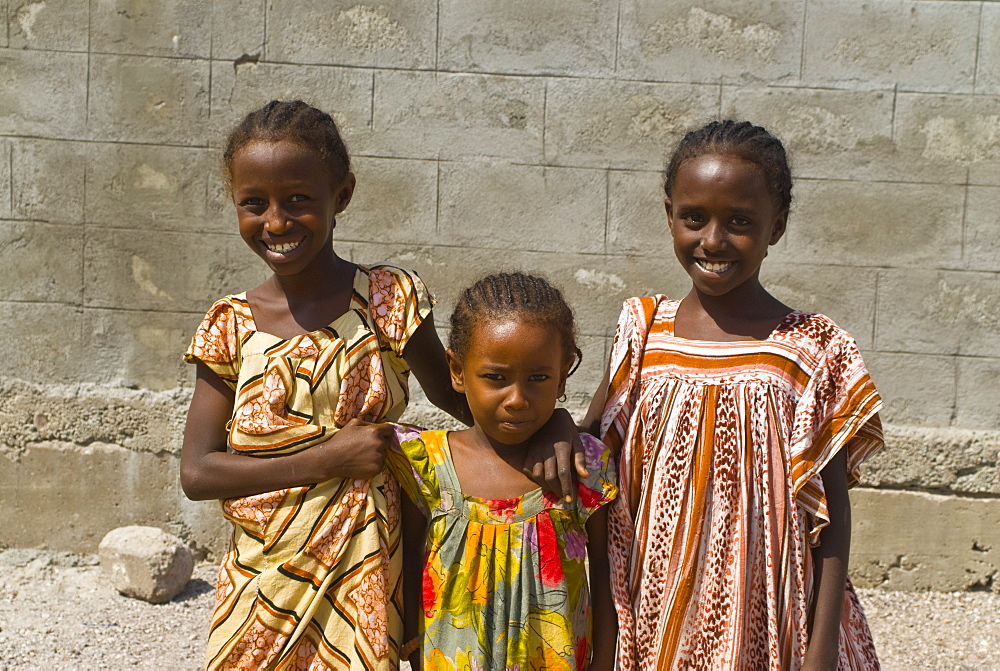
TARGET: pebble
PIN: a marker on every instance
(94, 627)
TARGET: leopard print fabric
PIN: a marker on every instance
(720, 447)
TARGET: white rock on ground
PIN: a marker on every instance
(146, 563)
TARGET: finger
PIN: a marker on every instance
(536, 473)
(580, 459)
(564, 453)
(580, 463)
(552, 477)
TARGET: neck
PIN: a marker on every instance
(476, 439)
(317, 281)
(747, 301)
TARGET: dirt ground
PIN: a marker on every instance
(57, 611)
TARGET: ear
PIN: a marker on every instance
(669, 207)
(563, 374)
(344, 192)
(457, 371)
(779, 227)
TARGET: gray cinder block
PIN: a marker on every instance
(148, 99)
(47, 180)
(919, 46)
(938, 312)
(861, 224)
(524, 36)
(43, 93)
(619, 124)
(42, 262)
(450, 116)
(684, 41)
(48, 25)
(348, 32)
(958, 135)
(145, 563)
(395, 201)
(181, 28)
(151, 187)
(344, 93)
(831, 133)
(917, 389)
(982, 229)
(503, 200)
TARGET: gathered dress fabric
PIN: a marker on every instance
(719, 448)
(312, 576)
(504, 581)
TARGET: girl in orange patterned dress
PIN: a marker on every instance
(296, 381)
(739, 424)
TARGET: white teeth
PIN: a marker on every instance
(283, 248)
(715, 267)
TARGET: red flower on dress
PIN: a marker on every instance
(549, 565)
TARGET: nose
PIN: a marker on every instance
(517, 398)
(713, 237)
(276, 220)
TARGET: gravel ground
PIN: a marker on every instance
(58, 612)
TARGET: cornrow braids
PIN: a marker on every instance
(502, 296)
(743, 140)
(294, 121)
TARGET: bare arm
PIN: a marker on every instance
(605, 618)
(414, 541)
(208, 471)
(592, 422)
(424, 354)
(830, 560)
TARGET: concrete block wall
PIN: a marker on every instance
(508, 134)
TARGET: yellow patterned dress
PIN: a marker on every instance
(312, 575)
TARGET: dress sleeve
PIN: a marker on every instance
(837, 410)
(410, 464)
(624, 368)
(600, 487)
(216, 343)
(400, 301)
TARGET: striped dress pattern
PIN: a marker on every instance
(312, 575)
(720, 447)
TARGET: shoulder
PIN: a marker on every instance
(646, 309)
(812, 329)
(387, 276)
(225, 324)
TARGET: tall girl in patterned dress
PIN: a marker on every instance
(739, 424)
(503, 580)
(296, 379)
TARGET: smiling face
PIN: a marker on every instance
(286, 200)
(723, 218)
(512, 375)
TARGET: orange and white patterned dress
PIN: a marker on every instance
(312, 575)
(720, 447)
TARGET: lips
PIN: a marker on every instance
(716, 267)
(282, 247)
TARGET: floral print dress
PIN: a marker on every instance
(504, 581)
(312, 575)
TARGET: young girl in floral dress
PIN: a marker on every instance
(503, 580)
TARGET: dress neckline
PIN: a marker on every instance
(674, 304)
(532, 502)
(360, 288)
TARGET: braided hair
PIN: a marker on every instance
(502, 296)
(743, 140)
(292, 121)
